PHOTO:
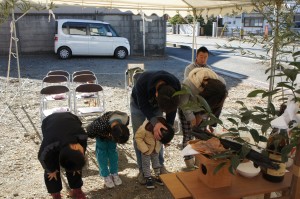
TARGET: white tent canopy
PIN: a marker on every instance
(161, 7)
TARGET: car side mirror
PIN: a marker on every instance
(109, 34)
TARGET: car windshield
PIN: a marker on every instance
(113, 31)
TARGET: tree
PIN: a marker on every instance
(177, 19)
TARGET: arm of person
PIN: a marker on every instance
(49, 157)
(187, 112)
(144, 104)
(187, 71)
(156, 130)
(139, 138)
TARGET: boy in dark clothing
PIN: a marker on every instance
(152, 95)
(64, 144)
(109, 129)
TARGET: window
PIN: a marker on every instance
(112, 30)
(98, 30)
(253, 22)
(65, 28)
(297, 17)
(74, 28)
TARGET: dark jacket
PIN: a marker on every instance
(143, 93)
(59, 130)
(101, 127)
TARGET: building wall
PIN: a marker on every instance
(36, 34)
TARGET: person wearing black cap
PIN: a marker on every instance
(109, 129)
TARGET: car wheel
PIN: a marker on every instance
(121, 53)
(64, 53)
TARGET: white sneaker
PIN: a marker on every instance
(117, 180)
(108, 182)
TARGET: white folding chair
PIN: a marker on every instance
(54, 99)
(88, 100)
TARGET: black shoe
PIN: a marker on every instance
(158, 180)
(149, 183)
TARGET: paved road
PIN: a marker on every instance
(223, 60)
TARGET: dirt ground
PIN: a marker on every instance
(21, 173)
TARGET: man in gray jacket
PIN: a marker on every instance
(201, 61)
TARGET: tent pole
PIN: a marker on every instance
(144, 36)
(194, 39)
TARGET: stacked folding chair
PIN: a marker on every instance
(81, 94)
(88, 95)
(55, 95)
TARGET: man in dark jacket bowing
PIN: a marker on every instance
(64, 144)
(152, 95)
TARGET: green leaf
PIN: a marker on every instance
(222, 164)
(214, 119)
(239, 139)
(205, 123)
(255, 135)
(245, 119)
(262, 138)
(181, 92)
(255, 93)
(297, 91)
(221, 156)
(270, 93)
(285, 85)
(233, 130)
(232, 121)
(231, 170)
(258, 108)
(287, 149)
(296, 64)
(229, 134)
(265, 127)
(243, 128)
(291, 73)
(235, 161)
(296, 54)
(245, 150)
(240, 102)
(204, 103)
(272, 109)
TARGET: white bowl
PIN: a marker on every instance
(247, 169)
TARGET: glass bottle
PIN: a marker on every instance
(277, 140)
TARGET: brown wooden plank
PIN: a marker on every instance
(240, 187)
(176, 188)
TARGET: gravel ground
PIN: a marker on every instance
(20, 172)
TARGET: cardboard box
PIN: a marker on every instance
(222, 178)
